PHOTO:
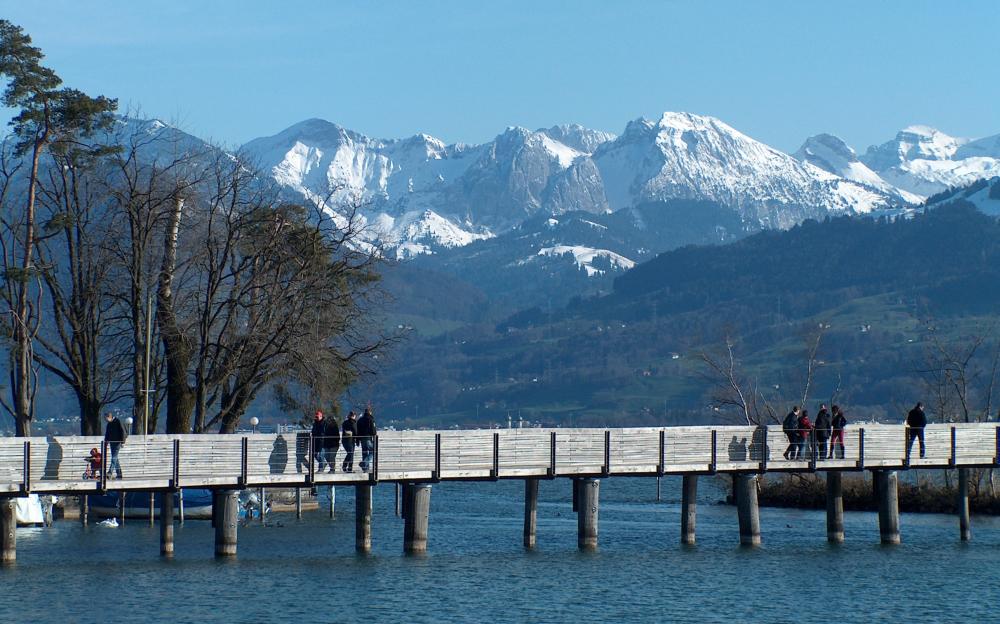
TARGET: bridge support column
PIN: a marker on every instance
(834, 507)
(588, 504)
(530, 511)
(689, 508)
(363, 518)
(964, 526)
(746, 507)
(416, 516)
(886, 490)
(226, 521)
(167, 524)
(8, 530)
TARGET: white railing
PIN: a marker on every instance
(59, 463)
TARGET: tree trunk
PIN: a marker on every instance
(22, 335)
(90, 415)
(180, 395)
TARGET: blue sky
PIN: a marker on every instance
(462, 71)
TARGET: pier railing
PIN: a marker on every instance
(162, 462)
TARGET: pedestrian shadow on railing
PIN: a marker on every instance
(738, 450)
(53, 459)
(277, 461)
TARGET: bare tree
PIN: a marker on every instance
(75, 268)
(47, 115)
(252, 290)
(732, 388)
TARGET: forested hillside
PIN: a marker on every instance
(884, 295)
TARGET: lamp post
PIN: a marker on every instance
(253, 424)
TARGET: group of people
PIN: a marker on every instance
(825, 436)
(328, 437)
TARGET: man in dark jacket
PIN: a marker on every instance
(331, 442)
(823, 431)
(114, 435)
(790, 427)
(916, 420)
(367, 431)
(318, 439)
(348, 432)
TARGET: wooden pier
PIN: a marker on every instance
(416, 459)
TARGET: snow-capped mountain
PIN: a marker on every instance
(685, 156)
(833, 155)
(451, 194)
(924, 161)
(445, 195)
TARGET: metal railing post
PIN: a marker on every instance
(715, 453)
(175, 467)
(813, 451)
(436, 474)
(552, 455)
(104, 465)
(26, 465)
(763, 447)
(953, 457)
(311, 475)
(606, 468)
(495, 473)
(661, 461)
(861, 448)
(244, 453)
(908, 447)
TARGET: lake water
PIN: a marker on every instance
(476, 569)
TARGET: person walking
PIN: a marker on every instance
(824, 429)
(366, 432)
(837, 441)
(805, 427)
(348, 432)
(318, 435)
(916, 420)
(790, 427)
(331, 442)
(114, 435)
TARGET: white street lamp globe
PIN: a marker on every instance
(254, 421)
(128, 421)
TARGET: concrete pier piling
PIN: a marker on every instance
(747, 508)
(964, 526)
(834, 508)
(689, 508)
(416, 516)
(576, 493)
(167, 524)
(8, 530)
(226, 522)
(887, 492)
(363, 518)
(588, 506)
(530, 511)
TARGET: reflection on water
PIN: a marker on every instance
(476, 569)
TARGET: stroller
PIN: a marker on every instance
(94, 464)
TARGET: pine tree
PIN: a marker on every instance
(50, 117)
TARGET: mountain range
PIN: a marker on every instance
(424, 195)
